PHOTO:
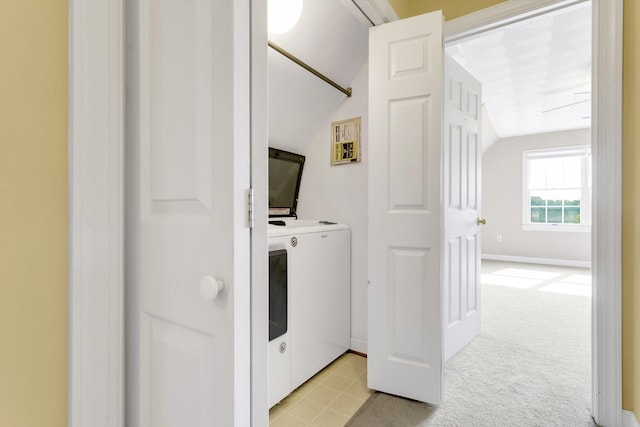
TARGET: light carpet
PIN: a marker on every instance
(530, 366)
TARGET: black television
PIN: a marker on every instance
(285, 173)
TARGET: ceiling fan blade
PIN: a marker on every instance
(566, 105)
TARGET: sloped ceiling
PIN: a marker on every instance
(535, 74)
(331, 39)
(327, 37)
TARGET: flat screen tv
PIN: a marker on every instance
(285, 173)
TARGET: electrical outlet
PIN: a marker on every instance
(499, 237)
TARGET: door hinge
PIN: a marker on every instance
(250, 207)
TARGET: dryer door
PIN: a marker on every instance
(277, 293)
(278, 346)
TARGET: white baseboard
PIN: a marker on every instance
(531, 260)
(358, 345)
(629, 419)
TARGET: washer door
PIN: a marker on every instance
(277, 293)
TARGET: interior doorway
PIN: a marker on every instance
(555, 116)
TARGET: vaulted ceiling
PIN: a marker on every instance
(327, 37)
(536, 74)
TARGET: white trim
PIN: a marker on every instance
(629, 419)
(379, 10)
(532, 260)
(555, 228)
(508, 12)
(259, 250)
(242, 235)
(357, 12)
(606, 137)
(606, 146)
(96, 81)
(359, 345)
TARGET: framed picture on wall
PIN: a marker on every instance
(345, 141)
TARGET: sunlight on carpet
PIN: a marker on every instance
(568, 283)
(527, 273)
(530, 365)
(509, 282)
(568, 288)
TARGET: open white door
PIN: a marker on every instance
(188, 345)
(461, 182)
(405, 342)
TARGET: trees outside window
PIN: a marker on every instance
(557, 189)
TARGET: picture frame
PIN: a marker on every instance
(345, 141)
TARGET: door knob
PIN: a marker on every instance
(210, 287)
(481, 221)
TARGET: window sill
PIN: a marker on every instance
(557, 227)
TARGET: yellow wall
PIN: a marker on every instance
(630, 182)
(630, 206)
(33, 213)
(401, 7)
(451, 8)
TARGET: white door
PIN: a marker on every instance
(188, 349)
(461, 183)
(405, 342)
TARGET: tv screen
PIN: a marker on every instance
(285, 173)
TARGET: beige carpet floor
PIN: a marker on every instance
(529, 367)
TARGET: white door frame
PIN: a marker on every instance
(96, 222)
(259, 244)
(96, 194)
(606, 140)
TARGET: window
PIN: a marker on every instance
(557, 189)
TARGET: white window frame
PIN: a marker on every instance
(585, 205)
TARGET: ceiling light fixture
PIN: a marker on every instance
(283, 15)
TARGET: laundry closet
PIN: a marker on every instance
(317, 242)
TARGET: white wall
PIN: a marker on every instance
(301, 109)
(489, 135)
(502, 202)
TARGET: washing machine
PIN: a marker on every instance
(309, 300)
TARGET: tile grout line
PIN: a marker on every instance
(342, 367)
(333, 400)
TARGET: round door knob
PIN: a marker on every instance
(481, 221)
(210, 287)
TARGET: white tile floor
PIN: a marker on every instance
(329, 399)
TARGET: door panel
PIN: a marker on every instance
(405, 316)
(406, 299)
(407, 161)
(178, 115)
(179, 358)
(184, 349)
(461, 167)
